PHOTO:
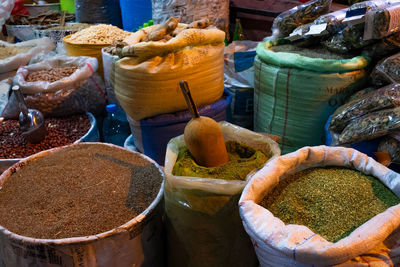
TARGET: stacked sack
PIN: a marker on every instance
(146, 78)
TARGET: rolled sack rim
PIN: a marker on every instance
(293, 60)
(319, 249)
(125, 228)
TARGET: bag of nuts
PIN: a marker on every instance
(59, 86)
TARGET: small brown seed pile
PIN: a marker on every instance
(52, 75)
(60, 132)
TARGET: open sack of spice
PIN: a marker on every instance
(154, 59)
(59, 86)
(323, 206)
(287, 21)
(12, 56)
(203, 224)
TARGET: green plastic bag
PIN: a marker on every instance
(294, 95)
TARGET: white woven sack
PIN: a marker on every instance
(5, 9)
(13, 63)
(375, 243)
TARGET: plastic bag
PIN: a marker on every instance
(370, 126)
(5, 10)
(391, 145)
(386, 71)
(12, 63)
(383, 98)
(383, 48)
(287, 21)
(375, 243)
(203, 224)
(82, 91)
(382, 22)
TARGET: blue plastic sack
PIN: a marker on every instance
(152, 135)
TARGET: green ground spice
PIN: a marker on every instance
(242, 160)
(312, 52)
(331, 201)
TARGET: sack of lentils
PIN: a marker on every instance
(59, 86)
(323, 206)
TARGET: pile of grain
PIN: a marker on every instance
(99, 34)
(10, 51)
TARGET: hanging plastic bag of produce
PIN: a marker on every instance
(383, 48)
(382, 22)
(59, 86)
(373, 243)
(295, 94)
(13, 56)
(386, 71)
(383, 98)
(391, 145)
(146, 79)
(371, 126)
(289, 20)
(203, 224)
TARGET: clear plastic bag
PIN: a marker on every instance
(386, 71)
(391, 145)
(370, 126)
(383, 48)
(382, 22)
(383, 98)
(289, 20)
(82, 91)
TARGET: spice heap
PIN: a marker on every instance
(72, 194)
(332, 202)
(99, 34)
(10, 51)
(60, 132)
(51, 75)
(242, 160)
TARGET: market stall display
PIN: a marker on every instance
(203, 225)
(117, 211)
(364, 235)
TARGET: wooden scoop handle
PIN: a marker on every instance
(189, 100)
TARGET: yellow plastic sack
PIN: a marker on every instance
(147, 83)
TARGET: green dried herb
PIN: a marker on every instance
(370, 126)
(383, 98)
(242, 160)
(312, 52)
(289, 20)
(331, 201)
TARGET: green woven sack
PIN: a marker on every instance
(294, 95)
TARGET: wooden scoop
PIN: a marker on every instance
(203, 135)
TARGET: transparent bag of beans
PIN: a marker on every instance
(391, 145)
(386, 71)
(371, 126)
(382, 22)
(59, 86)
(289, 20)
(383, 98)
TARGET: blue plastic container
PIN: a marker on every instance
(152, 135)
(134, 13)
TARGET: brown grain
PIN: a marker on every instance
(51, 75)
(81, 190)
